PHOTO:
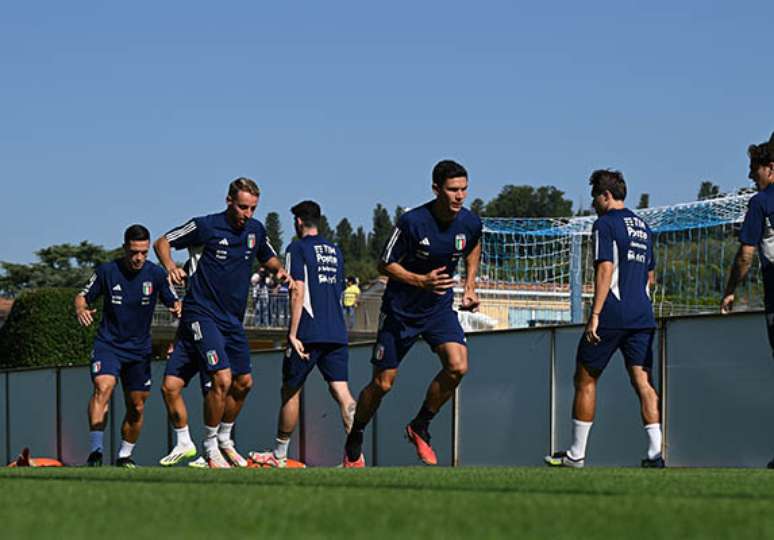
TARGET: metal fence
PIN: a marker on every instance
(715, 375)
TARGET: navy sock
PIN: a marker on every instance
(421, 422)
(354, 444)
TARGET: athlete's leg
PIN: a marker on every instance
(133, 419)
(649, 402)
(454, 361)
(235, 398)
(99, 402)
(367, 403)
(340, 392)
(172, 390)
(585, 401)
(215, 398)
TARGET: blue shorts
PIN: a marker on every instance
(134, 372)
(201, 347)
(397, 335)
(332, 359)
(635, 345)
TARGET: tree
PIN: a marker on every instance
(344, 239)
(382, 228)
(526, 201)
(359, 244)
(477, 207)
(60, 265)
(399, 211)
(644, 201)
(708, 190)
(324, 229)
(274, 231)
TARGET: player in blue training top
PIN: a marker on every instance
(211, 340)
(757, 232)
(122, 348)
(317, 334)
(621, 318)
(420, 259)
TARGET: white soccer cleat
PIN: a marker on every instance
(563, 459)
(268, 459)
(215, 460)
(232, 456)
(198, 463)
(178, 454)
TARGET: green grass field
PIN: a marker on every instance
(159, 503)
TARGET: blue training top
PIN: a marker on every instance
(421, 244)
(220, 266)
(624, 239)
(320, 265)
(129, 299)
(758, 230)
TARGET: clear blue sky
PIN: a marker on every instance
(114, 113)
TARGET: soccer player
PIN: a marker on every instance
(757, 232)
(621, 318)
(420, 259)
(122, 348)
(317, 335)
(211, 340)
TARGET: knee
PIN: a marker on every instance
(458, 369)
(221, 381)
(135, 410)
(382, 385)
(242, 385)
(103, 391)
(170, 389)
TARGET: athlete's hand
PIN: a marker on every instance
(438, 281)
(85, 316)
(177, 309)
(591, 330)
(298, 347)
(727, 305)
(470, 300)
(285, 278)
(177, 275)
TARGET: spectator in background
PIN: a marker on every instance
(349, 300)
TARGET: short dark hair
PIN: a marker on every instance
(761, 154)
(136, 233)
(308, 212)
(608, 180)
(446, 169)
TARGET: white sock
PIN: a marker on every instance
(183, 437)
(654, 440)
(281, 450)
(210, 438)
(580, 437)
(95, 441)
(126, 449)
(224, 432)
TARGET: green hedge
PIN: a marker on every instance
(42, 330)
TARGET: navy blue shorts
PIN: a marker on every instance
(396, 336)
(201, 347)
(635, 345)
(332, 359)
(134, 373)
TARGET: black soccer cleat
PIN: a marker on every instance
(126, 463)
(94, 459)
(656, 463)
(770, 464)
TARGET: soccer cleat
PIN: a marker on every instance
(126, 463)
(178, 454)
(359, 463)
(425, 452)
(770, 464)
(215, 460)
(94, 459)
(268, 459)
(232, 456)
(198, 463)
(656, 463)
(563, 459)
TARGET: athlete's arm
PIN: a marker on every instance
(296, 307)
(742, 263)
(470, 300)
(603, 275)
(82, 312)
(275, 266)
(163, 251)
(437, 280)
